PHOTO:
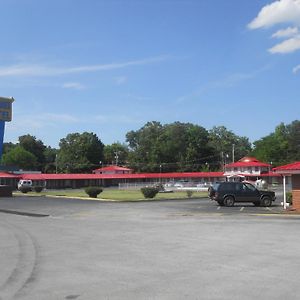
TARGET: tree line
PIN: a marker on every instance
(174, 147)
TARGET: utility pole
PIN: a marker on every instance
(233, 152)
(117, 157)
(56, 163)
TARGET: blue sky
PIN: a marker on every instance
(108, 67)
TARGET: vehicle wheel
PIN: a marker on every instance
(221, 203)
(266, 201)
(229, 201)
(256, 203)
(210, 192)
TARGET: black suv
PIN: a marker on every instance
(227, 193)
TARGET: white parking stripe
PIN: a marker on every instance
(218, 207)
(242, 208)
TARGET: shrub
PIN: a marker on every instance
(25, 189)
(289, 198)
(93, 191)
(189, 193)
(149, 192)
(38, 188)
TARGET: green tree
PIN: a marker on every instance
(292, 133)
(19, 157)
(223, 141)
(8, 146)
(281, 146)
(170, 147)
(144, 147)
(34, 146)
(185, 146)
(115, 152)
(79, 152)
(50, 159)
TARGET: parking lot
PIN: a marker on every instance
(183, 249)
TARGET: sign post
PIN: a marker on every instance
(5, 116)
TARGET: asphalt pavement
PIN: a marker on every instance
(183, 249)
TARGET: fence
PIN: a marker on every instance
(171, 186)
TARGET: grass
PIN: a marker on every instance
(116, 194)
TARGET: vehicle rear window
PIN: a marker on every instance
(226, 187)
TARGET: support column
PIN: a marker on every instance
(2, 127)
(284, 192)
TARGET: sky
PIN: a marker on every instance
(108, 67)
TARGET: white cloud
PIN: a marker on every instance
(282, 11)
(284, 33)
(73, 85)
(296, 69)
(39, 121)
(64, 118)
(43, 70)
(287, 46)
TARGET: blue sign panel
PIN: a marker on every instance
(5, 116)
(6, 109)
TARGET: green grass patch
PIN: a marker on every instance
(116, 194)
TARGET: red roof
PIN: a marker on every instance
(248, 162)
(249, 159)
(9, 175)
(113, 168)
(289, 168)
(121, 176)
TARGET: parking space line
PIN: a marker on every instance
(242, 208)
(219, 207)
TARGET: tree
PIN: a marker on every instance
(293, 140)
(8, 146)
(170, 147)
(50, 160)
(20, 157)
(79, 152)
(281, 146)
(34, 146)
(144, 147)
(185, 145)
(223, 140)
(114, 153)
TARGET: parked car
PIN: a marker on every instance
(227, 193)
(24, 183)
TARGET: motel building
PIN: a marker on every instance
(251, 169)
(247, 168)
(292, 172)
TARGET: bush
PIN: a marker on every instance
(25, 189)
(189, 193)
(93, 191)
(149, 192)
(38, 188)
(289, 198)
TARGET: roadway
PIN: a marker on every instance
(191, 249)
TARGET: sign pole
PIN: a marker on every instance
(2, 127)
(5, 116)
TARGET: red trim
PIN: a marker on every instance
(247, 164)
(113, 168)
(9, 175)
(121, 176)
(293, 167)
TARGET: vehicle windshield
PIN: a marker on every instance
(216, 185)
(250, 186)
